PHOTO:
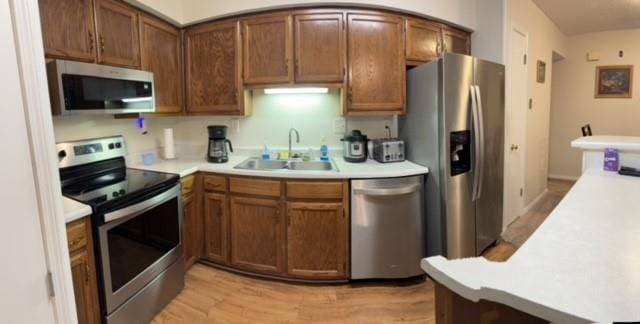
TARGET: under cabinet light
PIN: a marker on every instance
(140, 99)
(295, 90)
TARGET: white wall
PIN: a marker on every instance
(459, 12)
(487, 41)
(273, 115)
(24, 297)
(573, 102)
(544, 38)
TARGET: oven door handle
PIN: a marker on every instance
(143, 206)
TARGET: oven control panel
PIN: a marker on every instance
(87, 151)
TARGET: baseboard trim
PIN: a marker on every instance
(562, 177)
(534, 202)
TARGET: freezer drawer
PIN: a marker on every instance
(387, 227)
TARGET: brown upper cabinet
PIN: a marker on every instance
(117, 31)
(213, 68)
(67, 29)
(161, 53)
(455, 41)
(376, 64)
(423, 40)
(267, 49)
(320, 47)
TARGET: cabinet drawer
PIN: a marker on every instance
(315, 190)
(187, 184)
(255, 187)
(214, 183)
(77, 235)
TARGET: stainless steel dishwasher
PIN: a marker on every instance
(387, 227)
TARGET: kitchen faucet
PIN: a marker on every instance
(297, 139)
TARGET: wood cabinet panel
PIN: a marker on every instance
(161, 53)
(191, 231)
(68, 30)
(423, 40)
(213, 68)
(317, 240)
(376, 64)
(257, 234)
(315, 190)
(83, 271)
(187, 184)
(267, 49)
(216, 224)
(319, 47)
(456, 41)
(258, 187)
(117, 29)
(214, 183)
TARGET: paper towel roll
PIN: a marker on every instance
(169, 146)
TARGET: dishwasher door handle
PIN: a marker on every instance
(388, 191)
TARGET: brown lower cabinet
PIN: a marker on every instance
(289, 229)
(83, 271)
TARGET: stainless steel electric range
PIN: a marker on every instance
(137, 225)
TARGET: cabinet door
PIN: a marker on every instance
(319, 48)
(191, 232)
(68, 29)
(267, 49)
(423, 40)
(85, 294)
(213, 69)
(455, 41)
(215, 228)
(317, 240)
(161, 53)
(376, 79)
(257, 234)
(117, 26)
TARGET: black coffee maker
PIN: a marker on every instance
(217, 152)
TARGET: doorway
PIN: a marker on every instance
(516, 87)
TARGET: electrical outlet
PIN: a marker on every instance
(235, 125)
(339, 126)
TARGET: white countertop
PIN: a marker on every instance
(623, 143)
(369, 169)
(581, 265)
(74, 210)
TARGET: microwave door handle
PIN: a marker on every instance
(388, 191)
(142, 206)
(482, 143)
(476, 142)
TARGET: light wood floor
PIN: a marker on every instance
(216, 296)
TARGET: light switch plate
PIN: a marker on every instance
(339, 126)
(235, 125)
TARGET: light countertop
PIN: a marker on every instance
(74, 210)
(369, 169)
(581, 265)
(623, 143)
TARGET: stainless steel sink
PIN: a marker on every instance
(255, 163)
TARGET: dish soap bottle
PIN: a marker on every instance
(265, 152)
(324, 150)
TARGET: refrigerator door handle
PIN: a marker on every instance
(481, 152)
(476, 142)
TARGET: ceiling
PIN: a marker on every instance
(585, 16)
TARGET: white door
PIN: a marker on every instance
(515, 124)
(24, 297)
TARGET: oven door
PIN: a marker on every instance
(137, 243)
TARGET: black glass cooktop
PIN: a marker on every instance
(115, 185)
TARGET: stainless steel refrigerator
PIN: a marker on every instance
(455, 126)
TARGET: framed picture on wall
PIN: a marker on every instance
(541, 71)
(614, 81)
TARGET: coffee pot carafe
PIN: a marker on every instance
(217, 152)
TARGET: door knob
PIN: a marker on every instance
(514, 147)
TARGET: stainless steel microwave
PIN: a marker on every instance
(85, 88)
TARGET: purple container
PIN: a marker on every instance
(611, 159)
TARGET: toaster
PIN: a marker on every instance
(388, 150)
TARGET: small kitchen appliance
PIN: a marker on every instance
(388, 150)
(355, 147)
(217, 152)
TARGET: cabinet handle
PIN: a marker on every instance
(286, 65)
(101, 44)
(350, 95)
(296, 67)
(91, 40)
(87, 274)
